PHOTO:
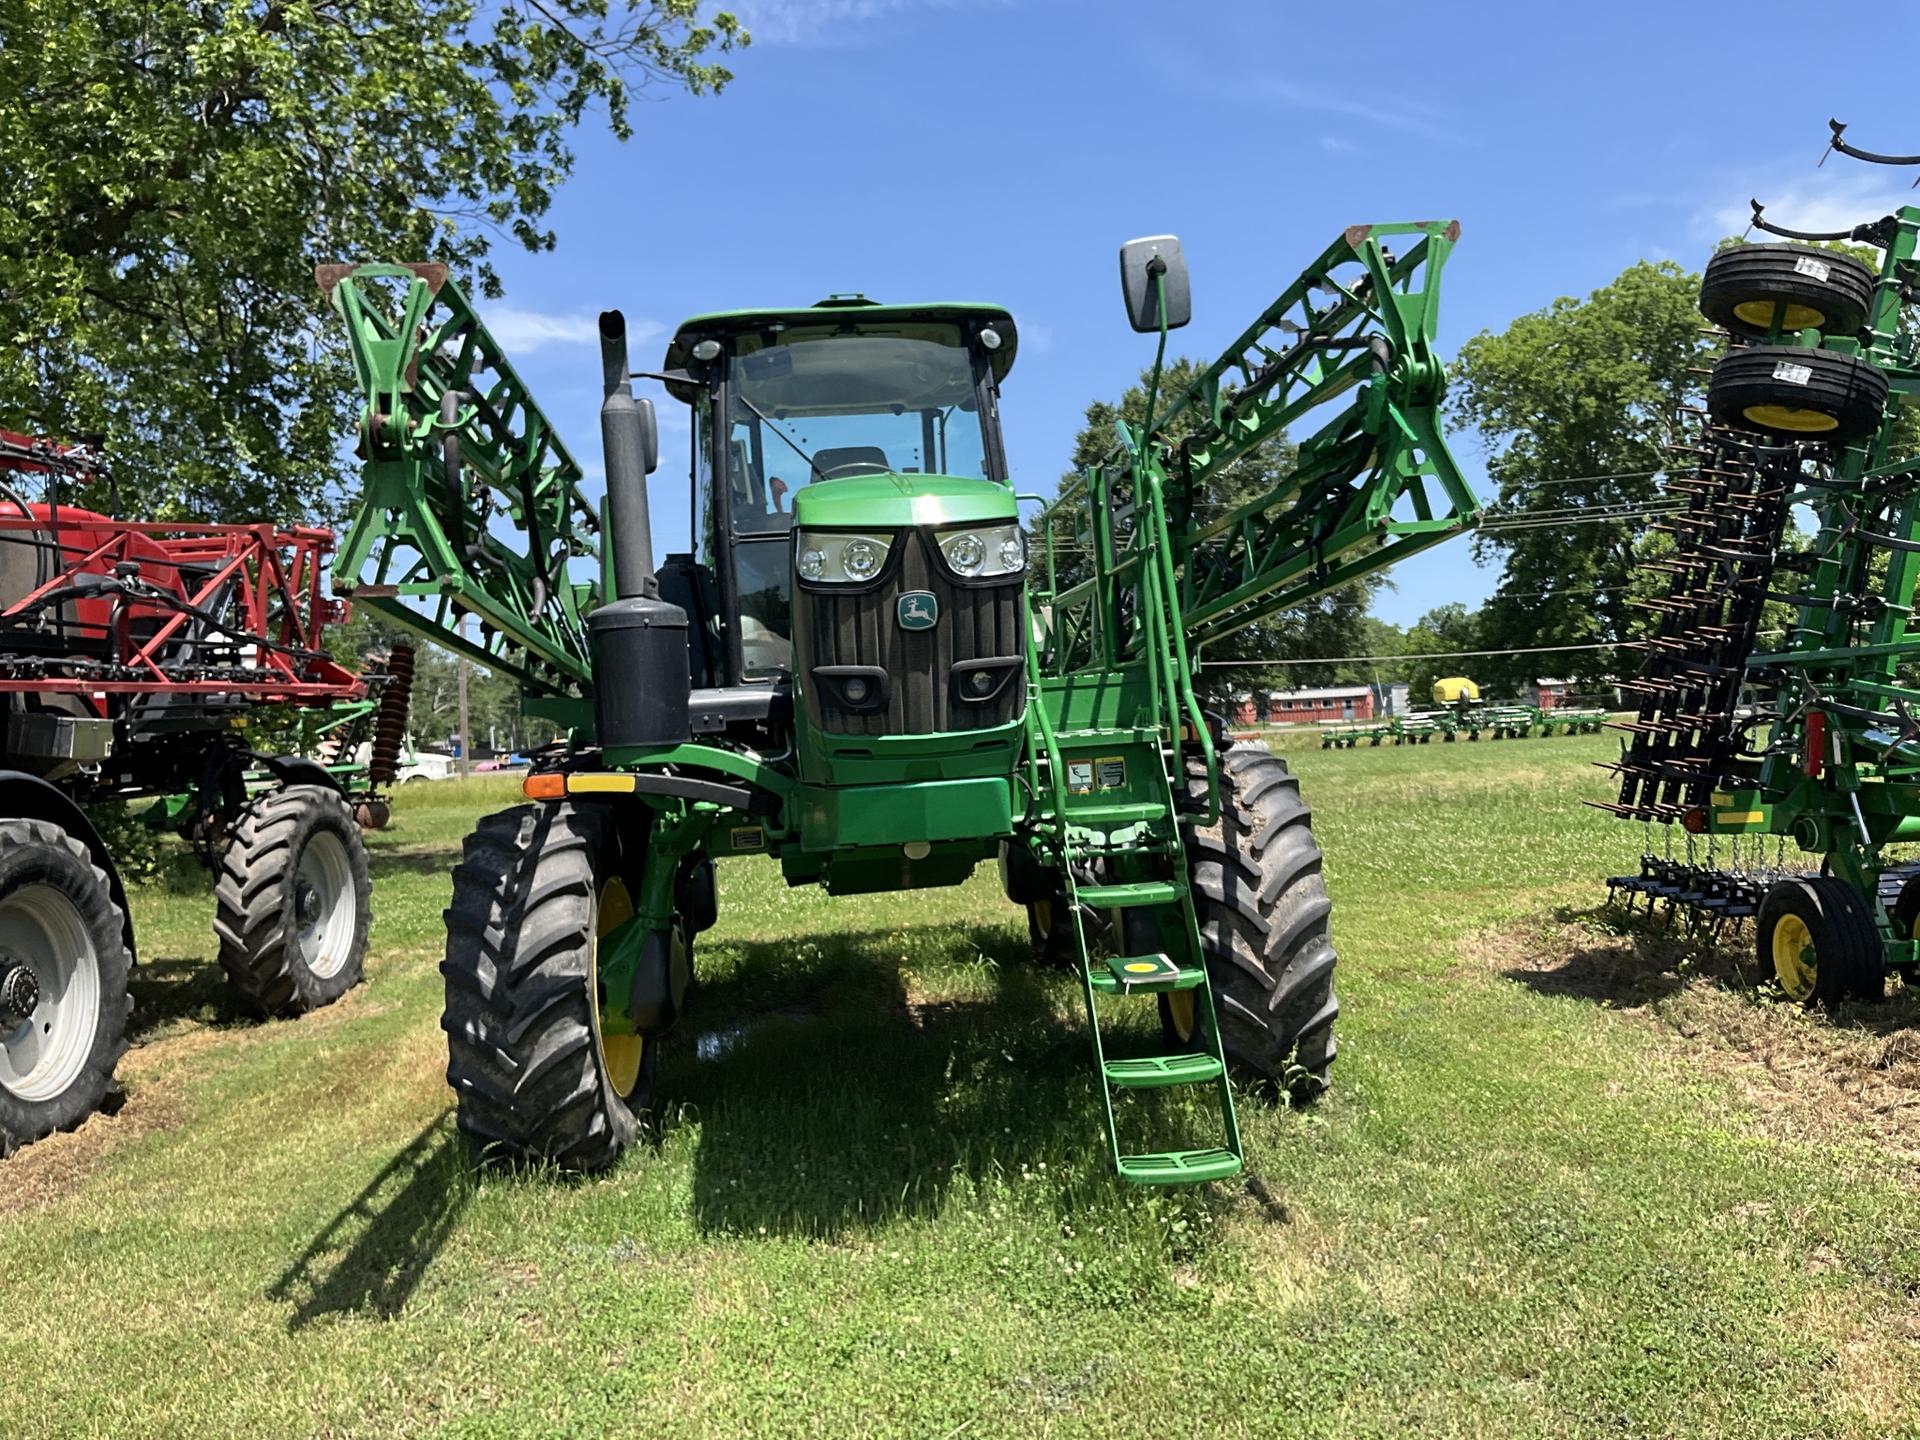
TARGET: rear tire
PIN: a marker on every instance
(526, 1058)
(63, 983)
(293, 902)
(1817, 939)
(1794, 393)
(1822, 289)
(1262, 908)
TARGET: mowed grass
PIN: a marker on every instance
(1567, 1183)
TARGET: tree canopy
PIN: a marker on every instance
(1576, 401)
(174, 169)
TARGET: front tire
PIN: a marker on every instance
(63, 983)
(293, 902)
(533, 1075)
(1262, 908)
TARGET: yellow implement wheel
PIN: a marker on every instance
(1817, 937)
(621, 1054)
(1759, 315)
(1795, 965)
(1783, 417)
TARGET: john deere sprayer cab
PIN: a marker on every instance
(866, 667)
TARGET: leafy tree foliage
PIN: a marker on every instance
(174, 169)
(1576, 401)
(1333, 625)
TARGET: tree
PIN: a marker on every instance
(1576, 401)
(174, 169)
(1330, 626)
(1445, 630)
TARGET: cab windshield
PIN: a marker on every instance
(831, 402)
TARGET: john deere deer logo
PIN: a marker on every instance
(917, 610)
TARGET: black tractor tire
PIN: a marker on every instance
(1262, 907)
(1822, 289)
(1793, 393)
(1828, 915)
(63, 964)
(293, 901)
(525, 1056)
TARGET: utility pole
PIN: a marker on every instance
(466, 743)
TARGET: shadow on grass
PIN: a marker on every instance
(439, 860)
(185, 987)
(369, 1259)
(846, 1104)
(1603, 955)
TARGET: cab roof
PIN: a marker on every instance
(854, 309)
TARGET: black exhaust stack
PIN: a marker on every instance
(639, 641)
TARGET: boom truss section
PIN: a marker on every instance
(1348, 348)
(471, 504)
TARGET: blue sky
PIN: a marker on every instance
(1002, 149)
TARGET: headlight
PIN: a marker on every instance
(986, 552)
(840, 559)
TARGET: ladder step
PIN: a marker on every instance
(1133, 971)
(1139, 892)
(1152, 1071)
(1179, 1167)
(1107, 983)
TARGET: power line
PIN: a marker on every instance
(1431, 655)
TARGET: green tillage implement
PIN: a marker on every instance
(862, 671)
(1814, 741)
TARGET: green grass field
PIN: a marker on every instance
(1569, 1181)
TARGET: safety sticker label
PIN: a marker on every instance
(1110, 772)
(748, 837)
(1079, 776)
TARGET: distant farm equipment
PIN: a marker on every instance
(1461, 714)
(136, 660)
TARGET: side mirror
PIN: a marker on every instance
(649, 428)
(1142, 262)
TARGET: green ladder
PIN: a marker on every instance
(1135, 829)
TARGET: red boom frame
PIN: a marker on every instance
(150, 608)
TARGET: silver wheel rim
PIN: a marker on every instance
(323, 904)
(42, 1055)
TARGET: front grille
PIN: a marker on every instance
(977, 622)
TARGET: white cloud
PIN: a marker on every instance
(519, 331)
(1410, 117)
(1829, 199)
(1337, 144)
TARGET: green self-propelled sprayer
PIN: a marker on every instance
(870, 670)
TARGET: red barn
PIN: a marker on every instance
(1314, 707)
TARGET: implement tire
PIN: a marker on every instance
(293, 902)
(1262, 907)
(63, 964)
(533, 1077)
(1822, 289)
(1817, 939)
(1794, 393)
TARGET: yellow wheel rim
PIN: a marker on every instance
(1180, 1011)
(1043, 918)
(1794, 963)
(1759, 314)
(621, 1054)
(1786, 417)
